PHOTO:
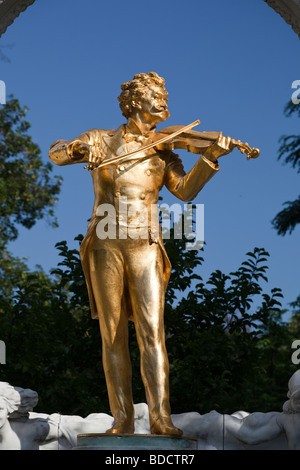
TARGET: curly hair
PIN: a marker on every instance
(133, 90)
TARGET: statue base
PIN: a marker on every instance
(120, 442)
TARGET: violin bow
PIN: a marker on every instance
(127, 156)
(243, 148)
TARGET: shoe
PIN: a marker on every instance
(121, 428)
(166, 428)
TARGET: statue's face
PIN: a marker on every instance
(153, 107)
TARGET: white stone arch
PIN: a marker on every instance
(289, 10)
(10, 10)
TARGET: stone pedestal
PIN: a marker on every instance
(120, 442)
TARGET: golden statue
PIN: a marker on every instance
(127, 276)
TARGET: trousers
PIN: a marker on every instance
(132, 268)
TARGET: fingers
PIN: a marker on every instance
(225, 143)
(80, 147)
(84, 152)
(95, 154)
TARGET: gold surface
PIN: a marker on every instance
(126, 277)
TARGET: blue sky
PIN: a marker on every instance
(229, 63)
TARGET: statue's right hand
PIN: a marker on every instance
(80, 150)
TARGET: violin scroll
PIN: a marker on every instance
(245, 148)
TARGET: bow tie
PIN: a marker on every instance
(142, 139)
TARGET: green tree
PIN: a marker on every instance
(53, 346)
(227, 346)
(294, 322)
(287, 219)
(28, 191)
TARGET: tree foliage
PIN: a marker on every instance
(227, 345)
(28, 192)
(220, 340)
(53, 347)
(287, 219)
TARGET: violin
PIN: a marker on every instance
(181, 137)
(198, 142)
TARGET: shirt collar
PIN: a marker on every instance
(133, 130)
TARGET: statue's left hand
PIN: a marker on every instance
(223, 146)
